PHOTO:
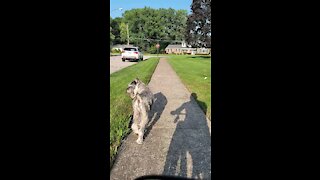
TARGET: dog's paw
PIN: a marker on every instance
(136, 132)
(139, 141)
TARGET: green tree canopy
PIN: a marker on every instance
(115, 24)
(198, 32)
(111, 35)
(147, 25)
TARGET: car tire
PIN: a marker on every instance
(123, 60)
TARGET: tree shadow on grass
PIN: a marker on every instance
(206, 57)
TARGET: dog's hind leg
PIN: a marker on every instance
(143, 123)
(134, 126)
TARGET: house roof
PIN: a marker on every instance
(173, 46)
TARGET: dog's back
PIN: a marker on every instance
(145, 95)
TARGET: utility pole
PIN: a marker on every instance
(128, 32)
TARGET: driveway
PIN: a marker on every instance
(116, 63)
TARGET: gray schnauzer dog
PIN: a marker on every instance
(142, 100)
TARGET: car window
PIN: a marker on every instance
(130, 49)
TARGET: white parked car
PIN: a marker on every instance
(131, 53)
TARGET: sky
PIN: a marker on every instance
(132, 4)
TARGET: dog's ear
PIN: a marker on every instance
(137, 80)
(133, 83)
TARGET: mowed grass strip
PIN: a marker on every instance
(120, 103)
(195, 73)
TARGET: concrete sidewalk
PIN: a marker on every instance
(178, 139)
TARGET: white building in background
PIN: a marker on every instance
(183, 48)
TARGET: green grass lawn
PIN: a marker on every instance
(115, 54)
(192, 71)
(120, 103)
(149, 54)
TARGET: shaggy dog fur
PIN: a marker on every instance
(142, 100)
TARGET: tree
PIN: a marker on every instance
(123, 32)
(111, 35)
(198, 32)
(115, 24)
(147, 26)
